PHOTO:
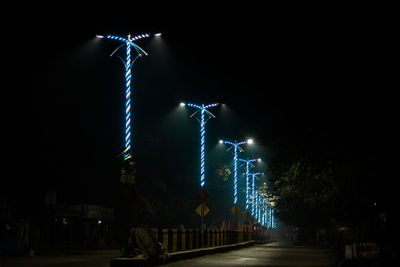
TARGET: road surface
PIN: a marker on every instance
(273, 254)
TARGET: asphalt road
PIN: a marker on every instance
(273, 254)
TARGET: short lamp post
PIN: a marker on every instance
(248, 166)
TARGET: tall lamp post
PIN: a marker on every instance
(205, 115)
(236, 150)
(128, 42)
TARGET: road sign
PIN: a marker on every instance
(206, 210)
(235, 209)
(202, 195)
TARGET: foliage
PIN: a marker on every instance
(266, 192)
(304, 191)
(223, 172)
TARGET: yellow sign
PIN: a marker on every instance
(206, 210)
(235, 210)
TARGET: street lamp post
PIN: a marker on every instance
(236, 149)
(257, 206)
(128, 41)
(203, 120)
(253, 191)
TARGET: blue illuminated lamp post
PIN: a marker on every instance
(248, 165)
(203, 112)
(236, 149)
(264, 207)
(271, 218)
(128, 41)
(263, 211)
(203, 109)
(253, 192)
(257, 206)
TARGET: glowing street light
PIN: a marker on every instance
(236, 149)
(128, 41)
(257, 213)
(271, 223)
(263, 211)
(203, 112)
(248, 166)
(253, 192)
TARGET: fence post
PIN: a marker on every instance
(197, 235)
(207, 234)
(191, 239)
(174, 239)
(224, 234)
(165, 238)
(183, 239)
(210, 235)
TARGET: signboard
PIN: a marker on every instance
(202, 195)
(235, 210)
(206, 210)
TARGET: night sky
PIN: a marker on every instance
(320, 81)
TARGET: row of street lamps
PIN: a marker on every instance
(259, 213)
(205, 115)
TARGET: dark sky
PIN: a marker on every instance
(319, 80)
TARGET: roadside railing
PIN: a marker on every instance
(175, 239)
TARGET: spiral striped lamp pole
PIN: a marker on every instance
(236, 149)
(248, 166)
(129, 43)
(253, 191)
(203, 112)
